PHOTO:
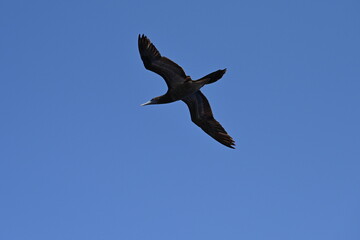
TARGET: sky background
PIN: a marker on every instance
(80, 159)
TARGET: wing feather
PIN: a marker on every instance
(172, 73)
(202, 116)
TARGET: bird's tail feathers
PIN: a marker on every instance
(214, 76)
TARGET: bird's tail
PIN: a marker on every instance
(214, 76)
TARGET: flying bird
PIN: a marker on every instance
(182, 87)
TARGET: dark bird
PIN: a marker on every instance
(182, 87)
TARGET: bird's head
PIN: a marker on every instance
(152, 101)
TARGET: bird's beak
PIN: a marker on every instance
(147, 103)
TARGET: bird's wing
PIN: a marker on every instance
(153, 61)
(202, 116)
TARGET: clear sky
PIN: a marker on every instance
(80, 159)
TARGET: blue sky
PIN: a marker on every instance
(80, 159)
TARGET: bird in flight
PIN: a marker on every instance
(182, 87)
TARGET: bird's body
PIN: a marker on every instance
(181, 91)
(182, 87)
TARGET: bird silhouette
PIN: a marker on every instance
(182, 87)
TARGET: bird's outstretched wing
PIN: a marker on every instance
(202, 116)
(153, 61)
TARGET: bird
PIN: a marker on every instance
(182, 87)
